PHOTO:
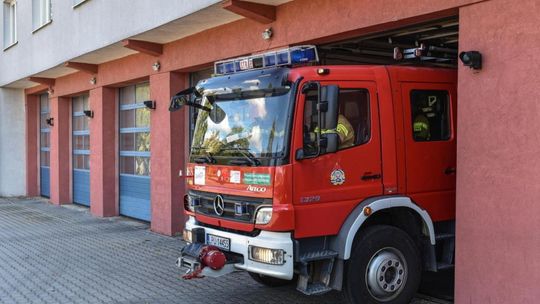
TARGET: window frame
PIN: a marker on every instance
(37, 13)
(135, 105)
(77, 3)
(365, 90)
(10, 24)
(447, 112)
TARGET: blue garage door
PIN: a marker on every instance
(44, 146)
(135, 152)
(81, 151)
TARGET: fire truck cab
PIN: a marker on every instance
(335, 177)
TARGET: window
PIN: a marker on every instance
(134, 130)
(81, 134)
(430, 115)
(41, 13)
(10, 23)
(354, 126)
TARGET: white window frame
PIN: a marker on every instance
(10, 23)
(41, 14)
(77, 3)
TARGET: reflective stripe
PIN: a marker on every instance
(342, 129)
(420, 126)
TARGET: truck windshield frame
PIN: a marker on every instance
(255, 130)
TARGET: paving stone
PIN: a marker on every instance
(52, 254)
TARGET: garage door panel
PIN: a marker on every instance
(80, 148)
(81, 187)
(134, 146)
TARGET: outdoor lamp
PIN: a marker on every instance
(150, 104)
(89, 113)
(472, 59)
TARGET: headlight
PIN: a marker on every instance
(266, 255)
(264, 215)
(187, 235)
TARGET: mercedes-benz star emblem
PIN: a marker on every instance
(219, 205)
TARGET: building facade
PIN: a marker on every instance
(74, 127)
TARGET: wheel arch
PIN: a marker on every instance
(343, 242)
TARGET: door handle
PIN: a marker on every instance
(370, 176)
(450, 171)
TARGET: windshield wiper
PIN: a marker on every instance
(204, 159)
(249, 159)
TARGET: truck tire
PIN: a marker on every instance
(385, 267)
(269, 281)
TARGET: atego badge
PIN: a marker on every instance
(337, 177)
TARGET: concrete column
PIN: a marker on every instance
(32, 145)
(103, 152)
(498, 155)
(167, 158)
(60, 152)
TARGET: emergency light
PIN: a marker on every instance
(286, 57)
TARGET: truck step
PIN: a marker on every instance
(444, 266)
(315, 289)
(317, 256)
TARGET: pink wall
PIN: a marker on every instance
(60, 152)
(498, 181)
(103, 152)
(167, 145)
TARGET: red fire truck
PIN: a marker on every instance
(335, 177)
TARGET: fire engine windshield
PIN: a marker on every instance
(251, 128)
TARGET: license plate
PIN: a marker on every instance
(218, 241)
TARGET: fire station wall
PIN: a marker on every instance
(12, 143)
(498, 181)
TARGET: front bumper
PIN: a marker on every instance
(266, 239)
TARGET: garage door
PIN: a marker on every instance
(44, 146)
(81, 151)
(134, 152)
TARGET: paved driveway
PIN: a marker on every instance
(51, 254)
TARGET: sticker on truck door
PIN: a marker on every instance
(200, 175)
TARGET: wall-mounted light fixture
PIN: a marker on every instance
(472, 59)
(156, 66)
(267, 33)
(89, 113)
(150, 104)
(93, 80)
(50, 121)
(50, 91)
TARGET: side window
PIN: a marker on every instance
(354, 126)
(430, 115)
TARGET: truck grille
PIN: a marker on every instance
(248, 205)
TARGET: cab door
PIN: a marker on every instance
(326, 188)
(430, 156)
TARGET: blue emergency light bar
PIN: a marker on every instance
(286, 57)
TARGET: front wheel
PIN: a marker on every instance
(384, 267)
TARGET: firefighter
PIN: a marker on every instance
(344, 130)
(421, 127)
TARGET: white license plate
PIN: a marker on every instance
(218, 241)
